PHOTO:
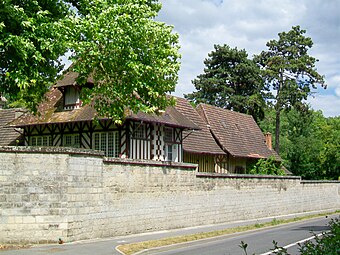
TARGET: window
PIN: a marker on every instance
(108, 142)
(40, 140)
(168, 135)
(139, 131)
(72, 140)
(171, 148)
(71, 96)
(171, 153)
(45, 141)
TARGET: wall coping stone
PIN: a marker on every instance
(318, 181)
(126, 161)
(89, 152)
(245, 176)
(51, 150)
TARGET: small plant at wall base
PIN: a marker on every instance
(267, 167)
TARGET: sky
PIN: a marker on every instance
(249, 25)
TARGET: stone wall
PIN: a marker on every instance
(52, 193)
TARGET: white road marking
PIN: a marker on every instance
(292, 244)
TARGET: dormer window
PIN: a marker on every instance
(71, 98)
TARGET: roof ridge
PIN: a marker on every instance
(227, 110)
(203, 115)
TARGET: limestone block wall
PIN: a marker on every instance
(152, 198)
(33, 196)
(52, 193)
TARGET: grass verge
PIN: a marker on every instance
(13, 246)
(129, 249)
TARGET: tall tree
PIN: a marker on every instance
(230, 80)
(132, 58)
(328, 130)
(289, 71)
(32, 38)
(310, 143)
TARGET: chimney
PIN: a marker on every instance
(268, 137)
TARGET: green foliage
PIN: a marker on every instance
(327, 244)
(132, 58)
(230, 80)
(244, 247)
(310, 143)
(267, 167)
(286, 78)
(329, 156)
(279, 250)
(33, 35)
(289, 71)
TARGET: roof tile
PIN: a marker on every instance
(197, 141)
(51, 111)
(237, 133)
(8, 135)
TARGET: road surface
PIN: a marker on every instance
(259, 241)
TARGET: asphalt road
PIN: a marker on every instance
(259, 241)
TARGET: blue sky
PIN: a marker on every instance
(249, 24)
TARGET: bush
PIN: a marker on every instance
(326, 244)
(267, 167)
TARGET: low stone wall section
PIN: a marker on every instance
(52, 193)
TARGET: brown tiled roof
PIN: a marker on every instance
(8, 135)
(236, 132)
(69, 78)
(171, 117)
(51, 111)
(197, 141)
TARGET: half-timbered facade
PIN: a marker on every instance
(133, 139)
(62, 121)
(216, 139)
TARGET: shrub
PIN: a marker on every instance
(326, 244)
(267, 167)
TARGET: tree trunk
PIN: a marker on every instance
(278, 108)
(277, 130)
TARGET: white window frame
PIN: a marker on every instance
(40, 140)
(140, 131)
(71, 140)
(171, 152)
(169, 135)
(108, 142)
(171, 147)
(71, 98)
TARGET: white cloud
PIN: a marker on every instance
(337, 91)
(250, 24)
(334, 83)
(328, 104)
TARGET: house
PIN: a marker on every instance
(226, 142)
(216, 139)
(199, 146)
(63, 121)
